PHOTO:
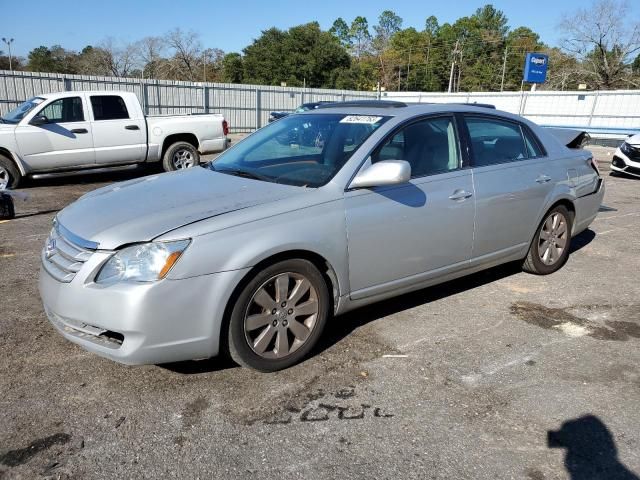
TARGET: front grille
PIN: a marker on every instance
(62, 257)
(634, 170)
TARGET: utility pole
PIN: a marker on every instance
(453, 65)
(9, 42)
(504, 68)
(408, 69)
(204, 67)
(426, 65)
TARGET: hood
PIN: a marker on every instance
(142, 209)
(634, 140)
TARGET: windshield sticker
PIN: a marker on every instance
(366, 119)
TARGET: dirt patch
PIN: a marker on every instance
(562, 319)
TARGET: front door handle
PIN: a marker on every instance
(79, 130)
(132, 127)
(543, 179)
(460, 195)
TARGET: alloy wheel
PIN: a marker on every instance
(553, 237)
(281, 315)
(182, 159)
(4, 178)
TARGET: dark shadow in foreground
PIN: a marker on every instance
(341, 327)
(591, 452)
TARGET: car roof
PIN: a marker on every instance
(53, 95)
(408, 110)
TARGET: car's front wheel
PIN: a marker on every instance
(9, 175)
(278, 316)
(549, 249)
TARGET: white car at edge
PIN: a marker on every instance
(626, 159)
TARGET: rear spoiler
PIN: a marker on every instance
(575, 139)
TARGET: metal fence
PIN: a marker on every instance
(608, 113)
(246, 107)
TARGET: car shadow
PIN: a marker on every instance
(337, 330)
(591, 451)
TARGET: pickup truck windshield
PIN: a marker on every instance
(302, 150)
(18, 113)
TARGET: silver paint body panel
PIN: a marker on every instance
(377, 242)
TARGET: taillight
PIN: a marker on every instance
(594, 165)
(225, 128)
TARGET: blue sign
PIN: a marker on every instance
(535, 67)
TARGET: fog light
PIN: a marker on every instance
(618, 162)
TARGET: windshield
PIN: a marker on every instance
(302, 150)
(18, 113)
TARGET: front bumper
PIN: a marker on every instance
(623, 164)
(165, 321)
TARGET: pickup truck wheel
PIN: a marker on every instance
(278, 316)
(9, 175)
(179, 156)
(549, 249)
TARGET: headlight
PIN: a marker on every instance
(624, 147)
(146, 262)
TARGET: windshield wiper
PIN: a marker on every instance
(243, 173)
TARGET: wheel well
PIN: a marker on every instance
(179, 137)
(6, 153)
(568, 204)
(323, 266)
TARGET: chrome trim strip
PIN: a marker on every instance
(79, 241)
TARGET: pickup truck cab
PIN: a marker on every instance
(70, 132)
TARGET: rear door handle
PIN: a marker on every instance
(460, 195)
(543, 179)
(132, 127)
(79, 130)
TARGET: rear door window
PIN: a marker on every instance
(534, 149)
(496, 141)
(108, 107)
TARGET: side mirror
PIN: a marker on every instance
(386, 172)
(39, 120)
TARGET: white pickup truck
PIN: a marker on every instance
(70, 132)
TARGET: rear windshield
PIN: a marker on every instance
(303, 150)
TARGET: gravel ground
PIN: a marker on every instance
(498, 375)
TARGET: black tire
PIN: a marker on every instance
(9, 168)
(7, 210)
(533, 263)
(238, 340)
(169, 164)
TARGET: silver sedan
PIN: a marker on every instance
(314, 215)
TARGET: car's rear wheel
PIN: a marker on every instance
(179, 156)
(9, 175)
(278, 316)
(549, 249)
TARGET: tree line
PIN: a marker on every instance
(479, 52)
